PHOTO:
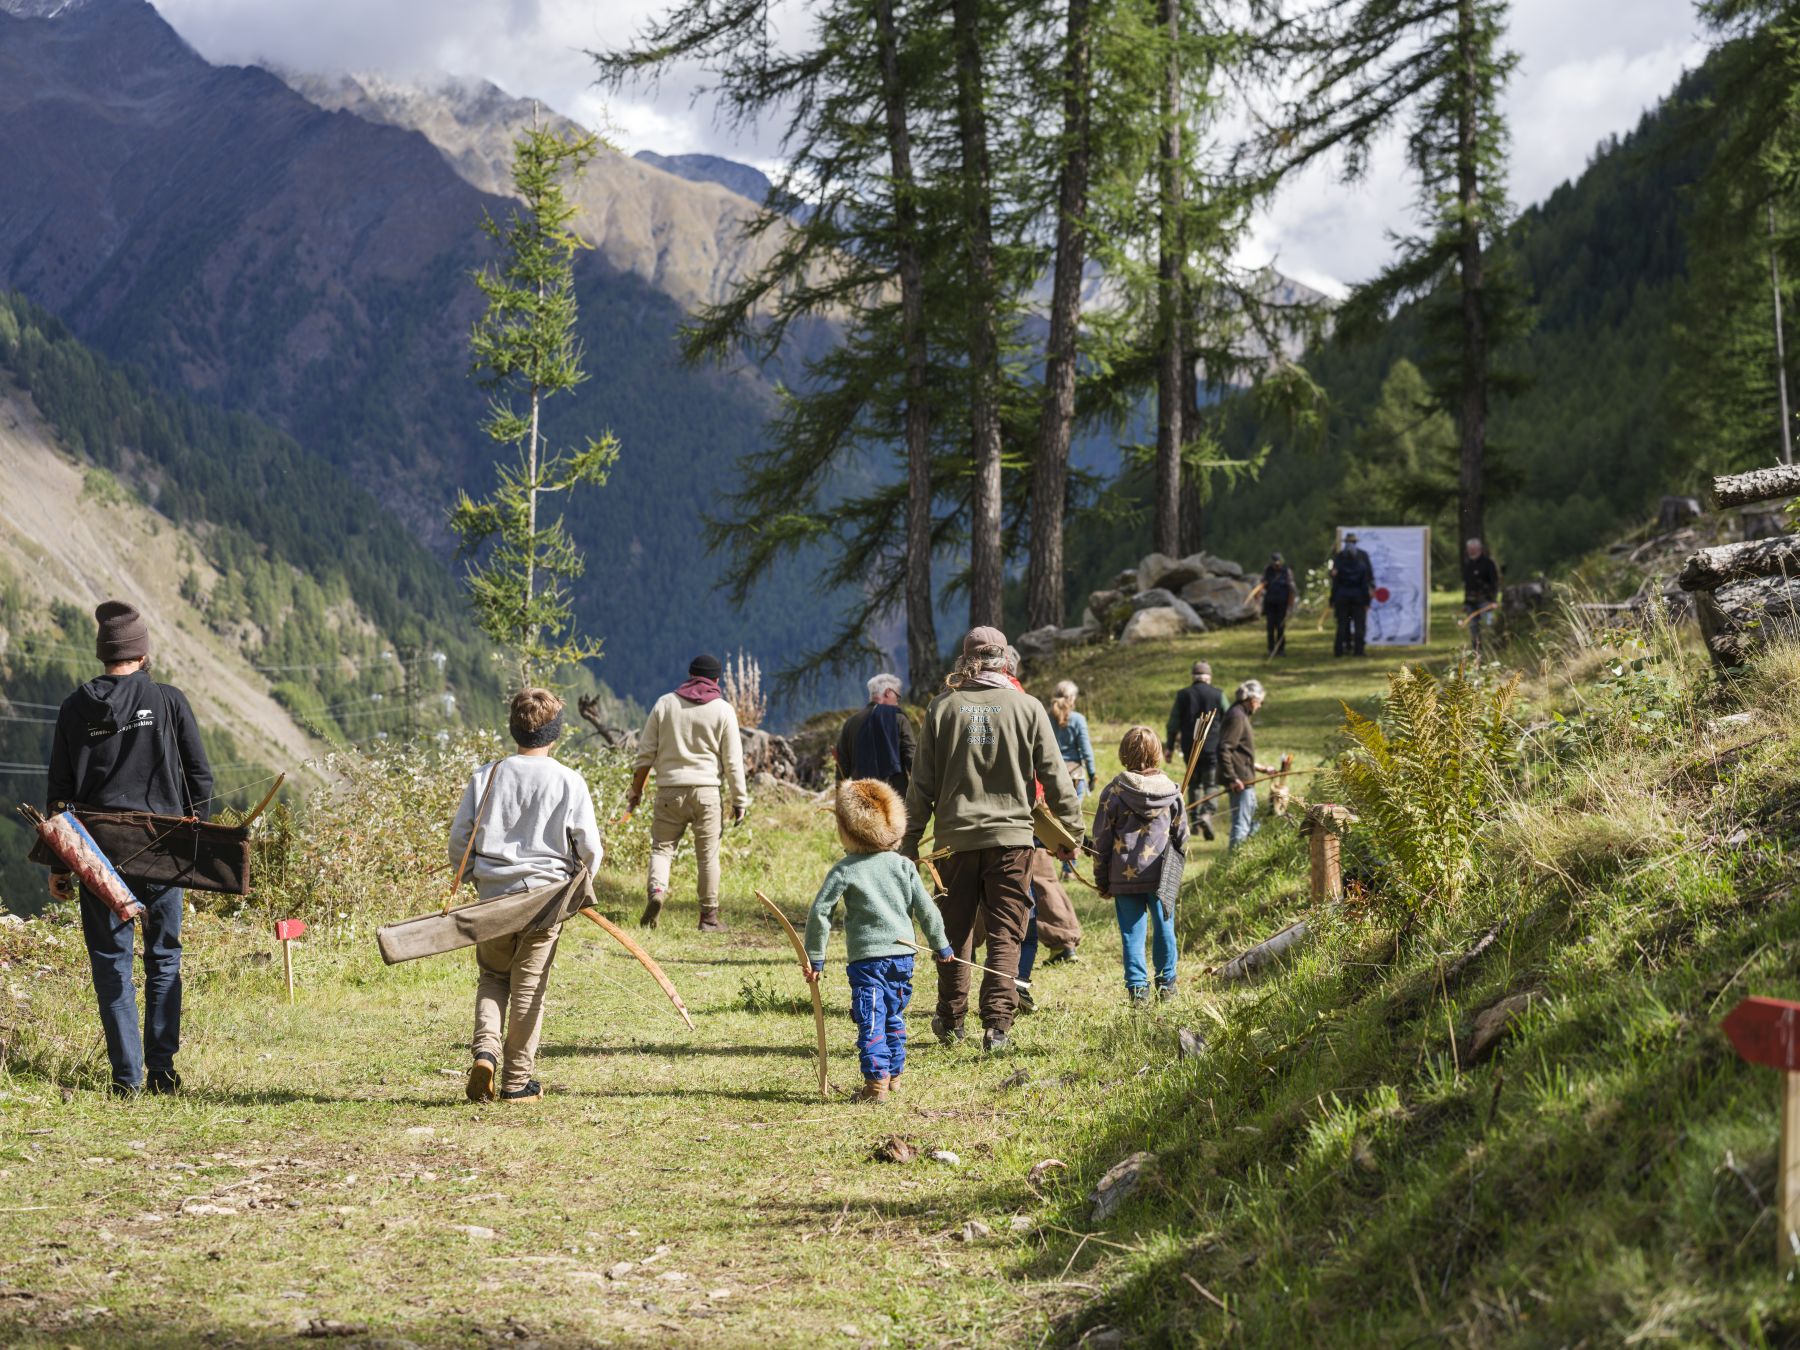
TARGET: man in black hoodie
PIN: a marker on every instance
(126, 742)
(1191, 704)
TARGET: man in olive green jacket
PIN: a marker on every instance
(985, 747)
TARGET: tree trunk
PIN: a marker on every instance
(1044, 582)
(1758, 485)
(1166, 524)
(921, 624)
(1193, 509)
(1712, 568)
(1741, 617)
(1473, 412)
(531, 496)
(983, 346)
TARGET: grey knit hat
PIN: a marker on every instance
(123, 635)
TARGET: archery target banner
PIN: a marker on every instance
(1400, 613)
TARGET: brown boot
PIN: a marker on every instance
(710, 922)
(872, 1090)
(652, 910)
(894, 1086)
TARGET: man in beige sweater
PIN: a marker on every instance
(691, 743)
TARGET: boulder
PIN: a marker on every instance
(1162, 599)
(1126, 581)
(1107, 610)
(1150, 570)
(1494, 1021)
(1219, 600)
(1222, 567)
(1117, 1186)
(1082, 636)
(1151, 625)
(1178, 572)
(1037, 645)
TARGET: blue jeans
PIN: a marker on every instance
(1028, 948)
(880, 989)
(1243, 817)
(1133, 910)
(109, 946)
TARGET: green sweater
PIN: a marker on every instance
(882, 895)
(980, 751)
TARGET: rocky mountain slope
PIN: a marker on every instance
(681, 233)
(311, 266)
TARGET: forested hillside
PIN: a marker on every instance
(234, 240)
(1581, 453)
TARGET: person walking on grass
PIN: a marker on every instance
(878, 740)
(1191, 705)
(1352, 592)
(126, 743)
(1072, 741)
(691, 743)
(1140, 843)
(531, 823)
(1237, 759)
(1279, 595)
(984, 746)
(882, 894)
(1481, 592)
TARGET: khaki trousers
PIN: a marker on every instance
(509, 998)
(676, 810)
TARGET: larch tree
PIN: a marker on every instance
(524, 349)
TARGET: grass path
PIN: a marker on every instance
(323, 1173)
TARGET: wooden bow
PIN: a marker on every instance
(630, 944)
(812, 984)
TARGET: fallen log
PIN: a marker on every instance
(1262, 954)
(1758, 485)
(1741, 617)
(1712, 568)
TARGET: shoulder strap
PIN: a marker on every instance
(167, 740)
(480, 815)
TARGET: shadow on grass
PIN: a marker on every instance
(675, 1049)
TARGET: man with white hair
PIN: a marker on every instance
(1481, 591)
(877, 742)
(1237, 759)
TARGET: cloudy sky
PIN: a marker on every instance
(1588, 68)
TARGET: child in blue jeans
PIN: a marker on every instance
(1140, 842)
(882, 895)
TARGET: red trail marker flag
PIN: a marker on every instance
(1766, 1031)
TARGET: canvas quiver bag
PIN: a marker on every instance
(533, 911)
(1168, 885)
(1050, 830)
(165, 851)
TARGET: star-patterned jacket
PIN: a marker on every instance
(1138, 818)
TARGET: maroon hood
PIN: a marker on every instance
(699, 690)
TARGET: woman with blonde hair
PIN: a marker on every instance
(1072, 737)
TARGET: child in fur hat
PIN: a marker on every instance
(1140, 839)
(882, 895)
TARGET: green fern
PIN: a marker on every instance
(1425, 778)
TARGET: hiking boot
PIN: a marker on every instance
(894, 1086)
(710, 922)
(652, 910)
(944, 1031)
(120, 1090)
(480, 1087)
(531, 1092)
(1140, 997)
(1204, 825)
(872, 1090)
(1027, 1004)
(1062, 956)
(993, 1041)
(162, 1083)
(1165, 992)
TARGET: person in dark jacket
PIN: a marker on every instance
(1237, 759)
(1140, 832)
(1279, 596)
(1352, 591)
(126, 742)
(1481, 591)
(878, 741)
(1192, 704)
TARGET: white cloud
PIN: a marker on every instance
(1589, 68)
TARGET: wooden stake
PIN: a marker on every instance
(1787, 1175)
(287, 964)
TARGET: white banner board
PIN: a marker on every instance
(1400, 614)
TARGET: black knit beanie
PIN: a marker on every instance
(706, 666)
(123, 635)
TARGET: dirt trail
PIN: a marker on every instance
(64, 547)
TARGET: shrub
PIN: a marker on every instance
(1424, 778)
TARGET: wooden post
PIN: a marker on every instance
(1766, 1031)
(1323, 825)
(286, 930)
(1280, 795)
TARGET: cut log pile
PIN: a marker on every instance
(1747, 593)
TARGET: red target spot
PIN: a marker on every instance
(1383, 594)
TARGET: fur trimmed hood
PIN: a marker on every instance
(871, 815)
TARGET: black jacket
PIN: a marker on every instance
(127, 742)
(847, 738)
(1279, 591)
(1481, 580)
(1352, 578)
(1191, 704)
